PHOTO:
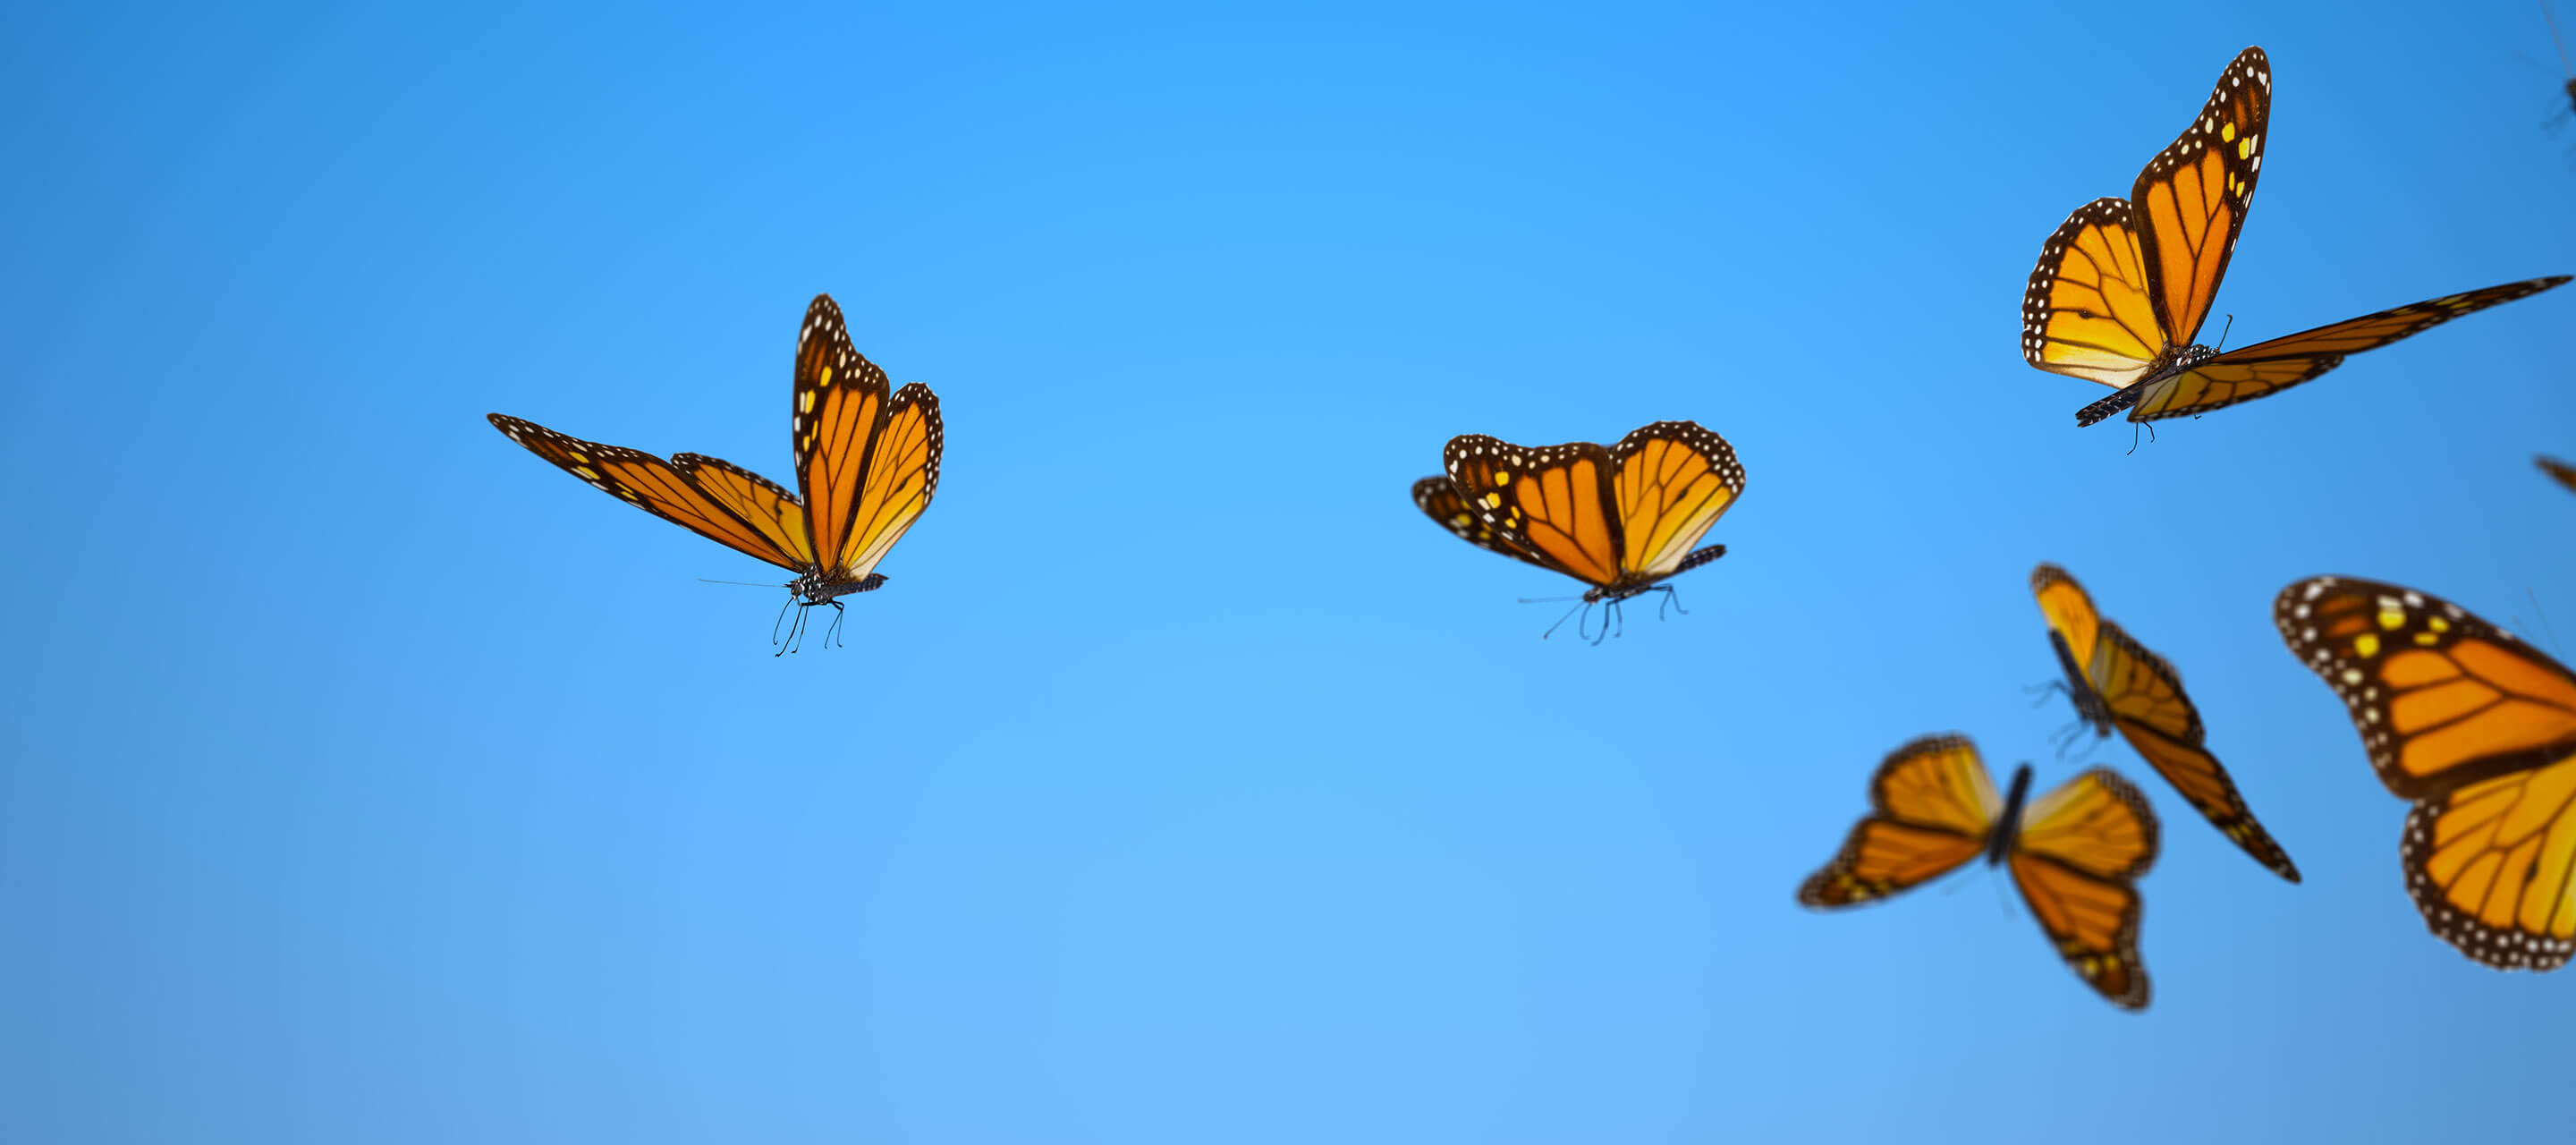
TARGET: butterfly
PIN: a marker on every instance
(2123, 285)
(2478, 730)
(2075, 852)
(866, 462)
(1620, 519)
(2117, 683)
(2563, 472)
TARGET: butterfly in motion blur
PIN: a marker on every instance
(1620, 519)
(867, 463)
(2560, 471)
(2075, 852)
(2123, 285)
(2478, 730)
(2116, 682)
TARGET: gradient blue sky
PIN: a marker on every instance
(369, 780)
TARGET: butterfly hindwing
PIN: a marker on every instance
(1673, 480)
(1931, 808)
(2190, 199)
(2088, 310)
(2076, 859)
(2267, 368)
(760, 502)
(653, 485)
(2492, 866)
(901, 475)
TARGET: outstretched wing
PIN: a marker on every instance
(2149, 707)
(2190, 199)
(1439, 500)
(2088, 311)
(1554, 502)
(2442, 699)
(759, 501)
(1932, 806)
(2079, 851)
(867, 460)
(1672, 481)
(655, 486)
(2069, 609)
(2493, 867)
(2266, 368)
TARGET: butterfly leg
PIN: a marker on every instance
(1672, 600)
(834, 634)
(1608, 615)
(2044, 691)
(782, 619)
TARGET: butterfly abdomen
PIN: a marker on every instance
(813, 589)
(2007, 826)
(2089, 705)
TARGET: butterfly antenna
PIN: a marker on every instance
(2554, 41)
(2544, 618)
(752, 583)
(1560, 621)
(1547, 599)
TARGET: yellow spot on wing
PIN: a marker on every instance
(2366, 646)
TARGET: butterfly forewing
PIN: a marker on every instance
(1932, 808)
(2076, 859)
(2266, 368)
(1438, 498)
(1553, 501)
(651, 484)
(2190, 199)
(2088, 310)
(839, 400)
(1673, 480)
(760, 502)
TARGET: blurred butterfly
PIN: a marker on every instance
(2122, 288)
(1620, 519)
(866, 461)
(2075, 852)
(2563, 472)
(2117, 683)
(2478, 730)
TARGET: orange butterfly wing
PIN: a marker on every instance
(655, 486)
(1673, 480)
(2269, 367)
(760, 502)
(866, 461)
(1438, 498)
(1932, 806)
(2088, 310)
(1553, 502)
(2479, 730)
(2190, 199)
(2076, 859)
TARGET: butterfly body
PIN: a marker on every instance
(2075, 853)
(2478, 731)
(2123, 286)
(2089, 705)
(867, 463)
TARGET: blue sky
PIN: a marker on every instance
(368, 780)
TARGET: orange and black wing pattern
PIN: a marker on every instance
(2267, 368)
(1672, 481)
(1931, 808)
(867, 460)
(698, 497)
(1438, 498)
(2190, 200)
(2088, 311)
(2479, 730)
(759, 501)
(2076, 859)
(1553, 502)
(2142, 695)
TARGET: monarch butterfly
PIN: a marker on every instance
(2563, 472)
(2123, 285)
(867, 464)
(2117, 682)
(2075, 852)
(1620, 519)
(2478, 730)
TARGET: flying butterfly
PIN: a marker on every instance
(2116, 682)
(2075, 852)
(1621, 519)
(2478, 731)
(2123, 285)
(867, 462)
(2562, 472)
